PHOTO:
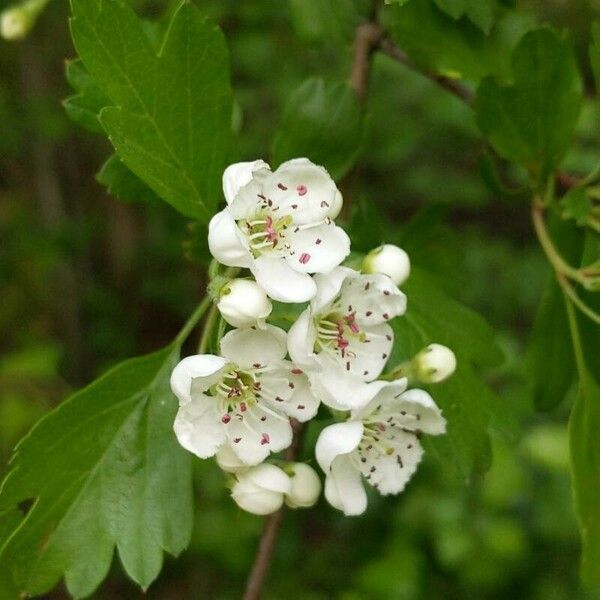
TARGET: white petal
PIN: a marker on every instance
(304, 190)
(414, 410)
(269, 477)
(256, 501)
(346, 487)
(317, 249)
(389, 473)
(226, 242)
(281, 282)
(256, 433)
(340, 391)
(382, 399)
(238, 175)
(301, 341)
(329, 286)
(368, 357)
(336, 440)
(374, 298)
(252, 199)
(248, 347)
(303, 404)
(198, 427)
(205, 369)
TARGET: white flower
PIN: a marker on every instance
(342, 339)
(388, 260)
(305, 486)
(243, 398)
(434, 363)
(243, 303)
(261, 490)
(279, 225)
(379, 443)
(14, 24)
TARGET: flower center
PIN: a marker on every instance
(265, 232)
(236, 390)
(336, 331)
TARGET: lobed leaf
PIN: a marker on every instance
(169, 115)
(531, 121)
(324, 122)
(103, 470)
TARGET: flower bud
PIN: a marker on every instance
(228, 461)
(14, 23)
(388, 260)
(434, 363)
(17, 20)
(306, 486)
(243, 303)
(260, 490)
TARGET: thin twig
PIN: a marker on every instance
(460, 90)
(262, 560)
(368, 36)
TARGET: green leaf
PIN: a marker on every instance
(85, 106)
(324, 122)
(550, 364)
(479, 12)
(123, 184)
(169, 116)
(595, 52)
(584, 426)
(455, 48)
(466, 400)
(103, 470)
(532, 120)
(576, 205)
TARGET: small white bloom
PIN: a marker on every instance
(14, 23)
(388, 260)
(243, 303)
(279, 225)
(243, 398)
(261, 490)
(305, 486)
(379, 443)
(434, 363)
(342, 339)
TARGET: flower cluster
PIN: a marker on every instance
(239, 405)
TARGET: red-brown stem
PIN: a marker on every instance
(266, 546)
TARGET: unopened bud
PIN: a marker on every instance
(388, 260)
(243, 303)
(16, 21)
(228, 460)
(260, 490)
(434, 364)
(306, 486)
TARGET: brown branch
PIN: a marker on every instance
(266, 546)
(387, 46)
(368, 37)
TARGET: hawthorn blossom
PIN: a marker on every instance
(243, 398)
(305, 486)
(379, 443)
(342, 339)
(280, 226)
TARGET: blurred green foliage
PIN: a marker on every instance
(87, 280)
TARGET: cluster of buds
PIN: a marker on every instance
(238, 406)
